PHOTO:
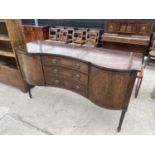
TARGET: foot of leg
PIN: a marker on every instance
(118, 129)
(121, 120)
(30, 95)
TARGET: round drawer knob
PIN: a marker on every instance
(54, 61)
(77, 65)
(77, 87)
(55, 71)
(57, 81)
(77, 76)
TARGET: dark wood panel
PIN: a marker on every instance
(12, 77)
(139, 27)
(33, 33)
(109, 88)
(126, 39)
(29, 34)
(128, 35)
(41, 33)
(125, 47)
(31, 68)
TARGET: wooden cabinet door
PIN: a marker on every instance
(111, 89)
(31, 68)
(41, 33)
(33, 33)
(38, 34)
(29, 34)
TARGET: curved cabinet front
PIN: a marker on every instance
(31, 68)
(110, 88)
(105, 87)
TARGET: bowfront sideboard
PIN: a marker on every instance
(106, 77)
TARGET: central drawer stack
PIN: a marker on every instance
(66, 73)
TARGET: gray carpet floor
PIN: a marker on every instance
(58, 111)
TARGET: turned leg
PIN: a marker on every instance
(30, 95)
(138, 87)
(121, 120)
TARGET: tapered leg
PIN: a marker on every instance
(137, 83)
(30, 95)
(121, 120)
(138, 87)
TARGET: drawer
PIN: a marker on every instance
(66, 62)
(57, 71)
(55, 81)
(76, 87)
(67, 84)
(144, 28)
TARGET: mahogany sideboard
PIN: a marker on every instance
(106, 77)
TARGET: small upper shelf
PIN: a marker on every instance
(8, 63)
(2, 20)
(8, 54)
(4, 37)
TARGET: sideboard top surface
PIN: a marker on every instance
(101, 57)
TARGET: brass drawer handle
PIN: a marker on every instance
(57, 81)
(54, 61)
(77, 87)
(77, 66)
(55, 71)
(77, 76)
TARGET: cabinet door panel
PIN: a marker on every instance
(29, 34)
(38, 34)
(31, 68)
(110, 89)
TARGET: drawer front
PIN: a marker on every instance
(67, 84)
(66, 62)
(55, 81)
(57, 71)
(144, 28)
(76, 87)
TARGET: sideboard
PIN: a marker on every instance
(106, 77)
